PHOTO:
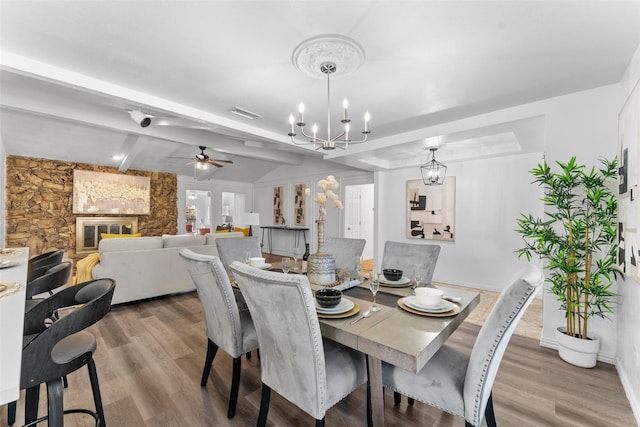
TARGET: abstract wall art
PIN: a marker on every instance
(110, 193)
(431, 210)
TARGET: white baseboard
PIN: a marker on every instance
(634, 401)
(602, 356)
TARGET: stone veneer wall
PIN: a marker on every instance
(39, 204)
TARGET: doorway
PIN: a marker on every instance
(198, 211)
(358, 215)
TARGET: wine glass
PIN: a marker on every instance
(359, 268)
(374, 285)
(286, 265)
(297, 253)
(247, 257)
(417, 275)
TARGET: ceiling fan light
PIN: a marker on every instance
(141, 118)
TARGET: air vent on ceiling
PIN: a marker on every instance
(244, 113)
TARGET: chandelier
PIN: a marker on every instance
(433, 172)
(326, 56)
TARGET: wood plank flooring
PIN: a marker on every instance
(150, 358)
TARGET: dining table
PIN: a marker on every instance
(393, 334)
(396, 334)
(13, 277)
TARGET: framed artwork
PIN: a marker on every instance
(431, 210)
(629, 176)
(300, 205)
(110, 193)
(278, 203)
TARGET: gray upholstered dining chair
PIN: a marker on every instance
(346, 252)
(404, 256)
(236, 249)
(459, 383)
(230, 250)
(228, 327)
(301, 366)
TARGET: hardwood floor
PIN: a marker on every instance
(150, 358)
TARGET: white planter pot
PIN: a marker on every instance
(576, 351)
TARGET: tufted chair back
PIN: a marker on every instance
(345, 251)
(404, 256)
(492, 341)
(231, 250)
(296, 362)
(222, 316)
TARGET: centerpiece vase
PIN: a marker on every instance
(321, 266)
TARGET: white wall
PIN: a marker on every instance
(629, 291)
(490, 194)
(308, 173)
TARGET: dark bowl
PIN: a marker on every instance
(328, 297)
(392, 274)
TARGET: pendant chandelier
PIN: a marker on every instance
(433, 172)
(326, 56)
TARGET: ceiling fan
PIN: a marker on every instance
(202, 160)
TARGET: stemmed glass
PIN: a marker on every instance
(374, 285)
(296, 256)
(286, 265)
(417, 275)
(359, 268)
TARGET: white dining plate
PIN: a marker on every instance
(343, 306)
(413, 302)
(402, 281)
(264, 266)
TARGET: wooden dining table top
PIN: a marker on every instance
(393, 334)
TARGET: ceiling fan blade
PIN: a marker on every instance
(223, 161)
(211, 162)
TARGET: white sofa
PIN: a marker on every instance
(148, 267)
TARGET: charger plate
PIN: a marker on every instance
(355, 310)
(405, 282)
(455, 310)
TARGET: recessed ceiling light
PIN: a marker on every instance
(244, 113)
(117, 157)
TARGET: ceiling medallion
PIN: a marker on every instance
(327, 56)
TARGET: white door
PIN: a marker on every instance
(358, 215)
(352, 217)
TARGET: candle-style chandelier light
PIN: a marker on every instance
(326, 56)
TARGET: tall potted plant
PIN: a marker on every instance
(577, 238)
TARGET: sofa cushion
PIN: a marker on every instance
(182, 241)
(127, 244)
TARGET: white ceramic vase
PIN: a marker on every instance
(576, 351)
